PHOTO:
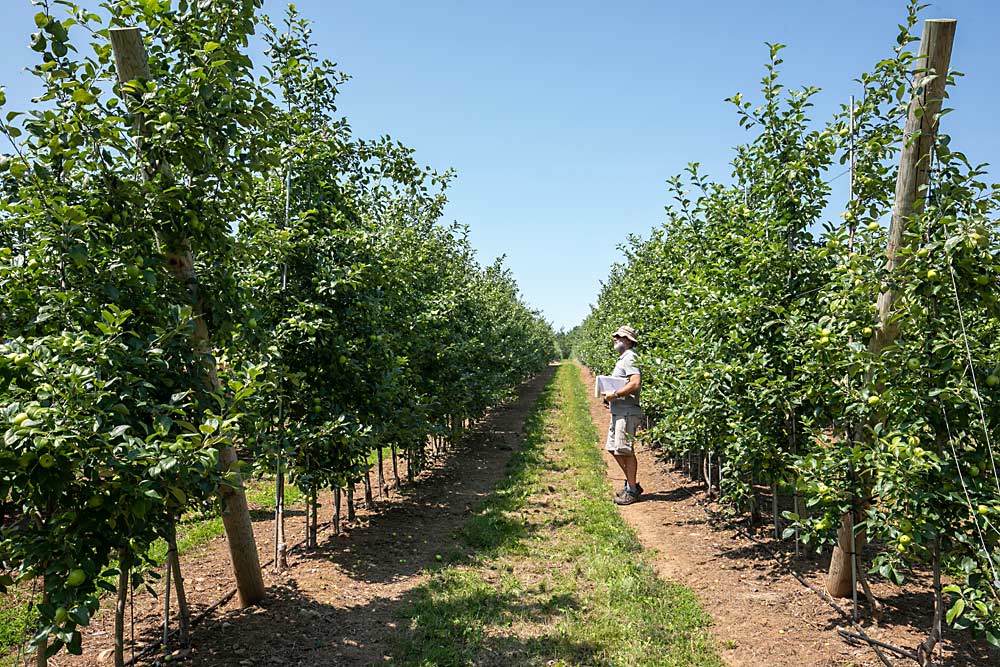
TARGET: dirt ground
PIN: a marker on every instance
(336, 604)
(764, 617)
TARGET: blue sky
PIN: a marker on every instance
(564, 119)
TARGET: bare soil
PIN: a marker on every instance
(336, 604)
(764, 617)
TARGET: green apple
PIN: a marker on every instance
(76, 578)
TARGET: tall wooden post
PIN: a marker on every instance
(131, 63)
(911, 184)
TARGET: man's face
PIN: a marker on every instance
(620, 344)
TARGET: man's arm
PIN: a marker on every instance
(632, 386)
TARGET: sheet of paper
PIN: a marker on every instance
(606, 383)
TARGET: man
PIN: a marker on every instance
(625, 413)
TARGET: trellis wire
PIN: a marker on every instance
(972, 372)
(968, 499)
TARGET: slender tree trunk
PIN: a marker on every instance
(382, 490)
(280, 543)
(41, 659)
(925, 652)
(367, 482)
(336, 510)
(124, 573)
(774, 510)
(174, 561)
(314, 519)
(168, 570)
(351, 514)
(395, 466)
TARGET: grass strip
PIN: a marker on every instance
(546, 572)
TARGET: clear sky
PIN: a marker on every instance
(564, 119)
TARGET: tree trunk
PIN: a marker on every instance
(336, 510)
(351, 515)
(774, 510)
(41, 659)
(174, 562)
(367, 482)
(925, 651)
(124, 570)
(395, 465)
(280, 544)
(314, 519)
(382, 491)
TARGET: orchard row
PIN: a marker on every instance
(195, 256)
(861, 385)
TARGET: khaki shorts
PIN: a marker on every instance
(621, 433)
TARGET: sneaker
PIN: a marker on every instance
(638, 490)
(627, 498)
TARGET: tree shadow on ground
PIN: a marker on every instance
(426, 523)
(293, 628)
(914, 610)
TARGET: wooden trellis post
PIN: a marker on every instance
(911, 185)
(131, 63)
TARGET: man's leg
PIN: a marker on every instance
(612, 441)
(630, 465)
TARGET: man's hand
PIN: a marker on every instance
(609, 396)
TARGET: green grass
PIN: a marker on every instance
(373, 457)
(547, 573)
(198, 530)
(15, 619)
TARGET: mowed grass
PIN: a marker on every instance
(547, 573)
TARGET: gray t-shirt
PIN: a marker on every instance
(627, 365)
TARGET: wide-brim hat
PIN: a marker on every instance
(625, 332)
